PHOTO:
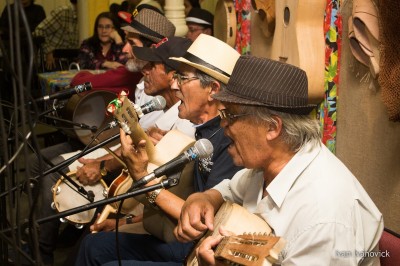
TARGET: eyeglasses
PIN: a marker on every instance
(105, 27)
(183, 79)
(230, 118)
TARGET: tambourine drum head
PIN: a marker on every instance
(90, 109)
(225, 22)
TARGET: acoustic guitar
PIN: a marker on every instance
(266, 11)
(299, 40)
(238, 220)
(249, 249)
(169, 147)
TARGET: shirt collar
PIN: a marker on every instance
(280, 186)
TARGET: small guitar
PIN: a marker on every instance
(266, 11)
(299, 40)
(249, 249)
(238, 220)
(169, 147)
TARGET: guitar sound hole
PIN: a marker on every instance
(286, 16)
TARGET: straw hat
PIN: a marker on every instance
(265, 82)
(151, 24)
(218, 62)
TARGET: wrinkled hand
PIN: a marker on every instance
(156, 134)
(110, 224)
(115, 36)
(205, 252)
(89, 173)
(197, 216)
(50, 61)
(135, 157)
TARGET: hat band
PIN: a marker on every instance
(194, 59)
(143, 29)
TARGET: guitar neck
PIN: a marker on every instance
(129, 121)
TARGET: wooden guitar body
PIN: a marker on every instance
(236, 219)
(299, 40)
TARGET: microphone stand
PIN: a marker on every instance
(81, 125)
(167, 183)
(66, 162)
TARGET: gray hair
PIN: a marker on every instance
(206, 80)
(297, 130)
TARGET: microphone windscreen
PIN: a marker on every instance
(204, 148)
(159, 102)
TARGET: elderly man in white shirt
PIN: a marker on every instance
(305, 194)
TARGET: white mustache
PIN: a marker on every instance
(135, 65)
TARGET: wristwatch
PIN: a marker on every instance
(129, 219)
(153, 195)
(103, 170)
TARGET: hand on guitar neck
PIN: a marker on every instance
(247, 249)
(135, 156)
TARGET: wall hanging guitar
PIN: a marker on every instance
(299, 39)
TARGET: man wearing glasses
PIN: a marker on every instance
(291, 179)
(201, 74)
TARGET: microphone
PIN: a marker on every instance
(67, 92)
(201, 149)
(155, 104)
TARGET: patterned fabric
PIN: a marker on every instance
(90, 59)
(327, 111)
(60, 30)
(151, 25)
(243, 14)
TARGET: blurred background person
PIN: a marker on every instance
(103, 50)
(199, 21)
(60, 31)
(34, 14)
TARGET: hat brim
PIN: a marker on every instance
(215, 74)
(226, 96)
(129, 28)
(145, 54)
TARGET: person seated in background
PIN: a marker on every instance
(193, 84)
(199, 21)
(291, 180)
(60, 31)
(103, 50)
(147, 28)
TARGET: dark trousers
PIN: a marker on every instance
(134, 249)
(48, 232)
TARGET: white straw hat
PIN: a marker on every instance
(211, 56)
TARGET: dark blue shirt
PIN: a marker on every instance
(210, 171)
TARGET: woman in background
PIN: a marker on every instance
(104, 49)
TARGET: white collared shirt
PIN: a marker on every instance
(317, 205)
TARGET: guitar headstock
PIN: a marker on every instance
(249, 249)
(125, 112)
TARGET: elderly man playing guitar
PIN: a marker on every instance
(291, 180)
(200, 75)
